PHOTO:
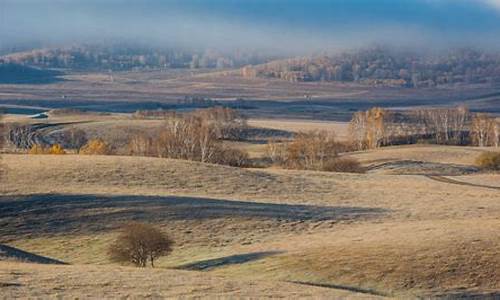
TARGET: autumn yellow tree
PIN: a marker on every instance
(484, 130)
(96, 147)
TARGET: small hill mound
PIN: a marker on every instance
(11, 253)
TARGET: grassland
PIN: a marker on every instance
(265, 98)
(422, 222)
(349, 232)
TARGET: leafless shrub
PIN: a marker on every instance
(227, 123)
(489, 161)
(344, 165)
(22, 136)
(195, 136)
(139, 243)
(313, 150)
(74, 138)
(233, 157)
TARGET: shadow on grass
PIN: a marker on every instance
(52, 214)
(7, 252)
(207, 265)
(344, 287)
(470, 296)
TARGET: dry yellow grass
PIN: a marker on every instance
(401, 235)
(21, 281)
(428, 153)
(340, 128)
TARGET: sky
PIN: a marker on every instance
(274, 25)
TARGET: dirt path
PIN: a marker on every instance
(454, 181)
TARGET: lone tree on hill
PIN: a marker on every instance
(139, 243)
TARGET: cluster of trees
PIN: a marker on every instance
(380, 66)
(129, 57)
(452, 126)
(92, 147)
(196, 136)
(313, 150)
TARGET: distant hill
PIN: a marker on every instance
(133, 57)
(379, 66)
(11, 73)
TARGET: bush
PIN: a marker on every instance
(56, 149)
(234, 158)
(95, 147)
(489, 161)
(346, 165)
(139, 243)
(38, 149)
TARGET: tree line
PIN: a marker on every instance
(450, 126)
(380, 66)
(132, 57)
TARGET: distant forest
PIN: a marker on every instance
(376, 66)
(126, 57)
(379, 66)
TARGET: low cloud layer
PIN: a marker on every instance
(277, 25)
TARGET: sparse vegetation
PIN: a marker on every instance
(139, 243)
(195, 136)
(37, 149)
(74, 138)
(313, 150)
(489, 161)
(56, 149)
(447, 126)
(96, 147)
(345, 165)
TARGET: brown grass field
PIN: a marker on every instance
(265, 228)
(422, 222)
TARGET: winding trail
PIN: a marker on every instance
(454, 181)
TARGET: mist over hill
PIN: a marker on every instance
(382, 66)
(291, 27)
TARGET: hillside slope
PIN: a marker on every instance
(400, 235)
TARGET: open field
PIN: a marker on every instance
(90, 282)
(264, 98)
(265, 227)
(423, 221)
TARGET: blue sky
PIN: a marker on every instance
(272, 24)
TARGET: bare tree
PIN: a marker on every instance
(368, 129)
(139, 243)
(484, 130)
(74, 138)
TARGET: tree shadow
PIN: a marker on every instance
(52, 214)
(209, 264)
